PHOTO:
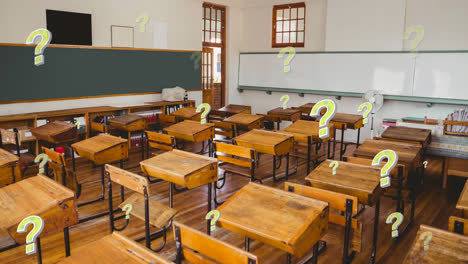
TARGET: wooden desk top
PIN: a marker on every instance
(446, 247)
(422, 136)
(306, 108)
(175, 166)
(7, 158)
(351, 121)
(186, 112)
(309, 128)
(268, 142)
(188, 127)
(125, 119)
(281, 111)
(98, 143)
(243, 119)
(39, 196)
(114, 248)
(462, 203)
(407, 152)
(56, 132)
(285, 220)
(235, 109)
(353, 179)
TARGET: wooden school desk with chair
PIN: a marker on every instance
(100, 150)
(284, 220)
(193, 131)
(187, 113)
(305, 134)
(287, 114)
(232, 109)
(246, 121)
(343, 204)
(268, 142)
(445, 247)
(197, 247)
(114, 248)
(352, 179)
(129, 124)
(344, 122)
(40, 196)
(225, 131)
(185, 169)
(143, 208)
(15, 139)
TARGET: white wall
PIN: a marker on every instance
(19, 17)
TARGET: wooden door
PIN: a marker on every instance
(207, 75)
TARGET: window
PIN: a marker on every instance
(213, 19)
(288, 25)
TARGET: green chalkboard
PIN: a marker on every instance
(81, 72)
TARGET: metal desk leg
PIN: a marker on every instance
(287, 166)
(171, 195)
(274, 168)
(288, 258)
(342, 139)
(66, 238)
(142, 145)
(101, 197)
(328, 154)
(358, 134)
(208, 222)
(38, 250)
(309, 145)
(316, 252)
(334, 145)
(376, 231)
(73, 158)
(247, 244)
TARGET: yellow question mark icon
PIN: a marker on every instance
(46, 37)
(425, 163)
(335, 165)
(207, 110)
(427, 237)
(43, 158)
(420, 35)
(286, 99)
(292, 53)
(399, 219)
(331, 111)
(368, 107)
(214, 216)
(144, 19)
(392, 158)
(38, 223)
(127, 208)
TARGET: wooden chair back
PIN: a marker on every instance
(62, 174)
(160, 141)
(339, 203)
(225, 129)
(199, 248)
(127, 179)
(237, 155)
(458, 225)
(166, 120)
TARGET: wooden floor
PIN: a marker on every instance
(433, 207)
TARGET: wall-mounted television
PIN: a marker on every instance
(69, 27)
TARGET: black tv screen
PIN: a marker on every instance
(69, 27)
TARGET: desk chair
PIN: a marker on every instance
(197, 247)
(340, 203)
(161, 142)
(166, 120)
(225, 129)
(269, 122)
(458, 225)
(235, 160)
(144, 208)
(12, 138)
(62, 174)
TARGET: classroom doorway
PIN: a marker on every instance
(214, 55)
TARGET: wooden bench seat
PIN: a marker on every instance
(159, 214)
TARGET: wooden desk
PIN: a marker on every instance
(9, 165)
(246, 121)
(268, 142)
(344, 122)
(284, 220)
(462, 203)
(308, 132)
(129, 124)
(114, 248)
(232, 109)
(422, 136)
(39, 196)
(192, 131)
(100, 150)
(446, 247)
(183, 168)
(357, 180)
(285, 114)
(189, 113)
(56, 132)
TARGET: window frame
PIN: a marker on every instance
(274, 44)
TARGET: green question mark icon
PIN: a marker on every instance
(38, 223)
(127, 208)
(287, 61)
(368, 107)
(207, 110)
(399, 219)
(392, 157)
(46, 37)
(43, 158)
(331, 111)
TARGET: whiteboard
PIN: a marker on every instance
(441, 75)
(391, 73)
